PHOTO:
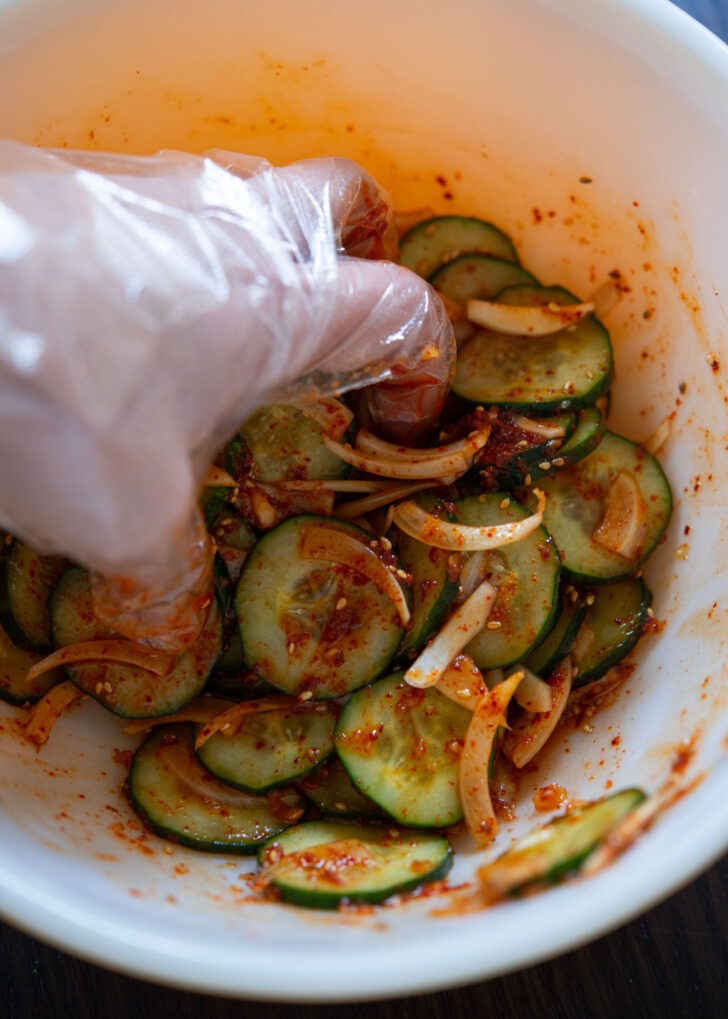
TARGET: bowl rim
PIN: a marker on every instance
(79, 929)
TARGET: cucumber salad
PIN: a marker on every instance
(394, 628)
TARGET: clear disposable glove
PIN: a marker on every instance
(147, 306)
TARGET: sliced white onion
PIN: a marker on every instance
(330, 485)
(333, 416)
(227, 719)
(533, 693)
(522, 320)
(462, 682)
(334, 546)
(531, 730)
(415, 521)
(455, 459)
(473, 572)
(464, 623)
(660, 435)
(488, 717)
(45, 712)
(542, 428)
(367, 442)
(218, 477)
(201, 710)
(380, 497)
(121, 652)
(606, 297)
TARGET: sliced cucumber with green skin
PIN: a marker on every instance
(526, 576)
(478, 277)
(432, 243)
(281, 443)
(331, 790)
(613, 625)
(26, 580)
(587, 435)
(181, 801)
(555, 850)
(435, 580)
(321, 864)
(272, 748)
(574, 500)
(560, 639)
(127, 690)
(401, 748)
(571, 368)
(15, 687)
(310, 625)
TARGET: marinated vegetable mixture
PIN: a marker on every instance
(392, 626)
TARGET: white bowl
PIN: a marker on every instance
(512, 105)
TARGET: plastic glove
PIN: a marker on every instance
(147, 306)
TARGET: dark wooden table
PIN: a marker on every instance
(672, 962)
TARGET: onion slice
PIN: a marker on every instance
(462, 682)
(228, 719)
(533, 693)
(218, 477)
(372, 445)
(334, 546)
(380, 497)
(622, 527)
(328, 412)
(118, 652)
(531, 730)
(404, 462)
(536, 427)
(465, 622)
(523, 320)
(45, 713)
(488, 718)
(418, 523)
(201, 711)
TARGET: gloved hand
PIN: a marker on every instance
(147, 306)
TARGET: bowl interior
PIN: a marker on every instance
(596, 136)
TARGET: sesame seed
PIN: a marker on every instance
(386, 544)
(504, 502)
(559, 461)
(545, 465)
(341, 603)
(493, 624)
(305, 696)
(291, 648)
(590, 599)
(527, 480)
(463, 694)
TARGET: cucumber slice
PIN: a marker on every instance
(181, 801)
(15, 688)
(550, 852)
(574, 499)
(560, 639)
(331, 790)
(613, 625)
(310, 625)
(126, 690)
(401, 747)
(272, 748)
(571, 368)
(432, 243)
(478, 277)
(584, 439)
(325, 863)
(434, 580)
(526, 575)
(26, 580)
(281, 443)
